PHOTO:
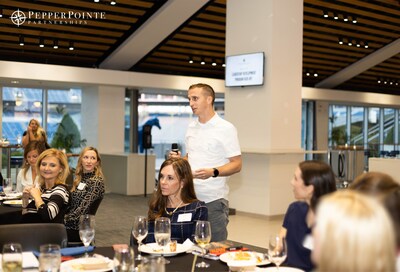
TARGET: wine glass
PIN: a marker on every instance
(139, 231)
(86, 230)
(277, 249)
(162, 234)
(202, 236)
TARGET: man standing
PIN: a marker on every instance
(214, 154)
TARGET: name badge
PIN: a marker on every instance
(81, 186)
(185, 217)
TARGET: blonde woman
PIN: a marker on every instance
(27, 176)
(353, 232)
(34, 132)
(88, 188)
(50, 200)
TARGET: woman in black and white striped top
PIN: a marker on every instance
(50, 201)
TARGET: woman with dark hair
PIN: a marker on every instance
(28, 176)
(311, 180)
(175, 198)
(386, 190)
(376, 184)
(88, 190)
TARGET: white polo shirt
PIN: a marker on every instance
(210, 145)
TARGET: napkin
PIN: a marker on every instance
(71, 251)
(188, 244)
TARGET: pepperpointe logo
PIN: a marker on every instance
(69, 17)
(18, 17)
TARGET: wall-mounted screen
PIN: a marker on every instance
(244, 70)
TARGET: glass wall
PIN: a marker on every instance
(356, 125)
(58, 111)
(373, 128)
(169, 115)
(338, 125)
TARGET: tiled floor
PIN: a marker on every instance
(115, 216)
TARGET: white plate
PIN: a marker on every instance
(14, 195)
(281, 269)
(153, 249)
(258, 258)
(13, 203)
(74, 265)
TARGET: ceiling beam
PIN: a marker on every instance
(360, 66)
(164, 22)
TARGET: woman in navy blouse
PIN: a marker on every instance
(175, 198)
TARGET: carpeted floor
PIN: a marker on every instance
(114, 218)
(114, 221)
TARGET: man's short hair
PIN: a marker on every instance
(207, 88)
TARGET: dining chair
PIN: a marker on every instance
(94, 207)
(32, 236)
(92, 210)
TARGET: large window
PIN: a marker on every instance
(169, 115)
(356, 126)
(58, 111)
(373, 128)
(338, 125)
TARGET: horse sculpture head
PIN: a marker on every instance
(153, 122)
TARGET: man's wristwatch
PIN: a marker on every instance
(216, 173)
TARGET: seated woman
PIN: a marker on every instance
(311, 180)
(88, 190)
(353, 232)
(175, 198)
(376, 184)
(27, 176)
(34, 132)
(386, 190)
(50, 200)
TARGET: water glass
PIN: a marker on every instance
(124, 259)
(87, 230)
(49, 258)
(151, 264)
(12, 258)
(7, 186)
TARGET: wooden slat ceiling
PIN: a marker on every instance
(203, 36)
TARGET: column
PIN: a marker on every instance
(103, 118)
(268, 117)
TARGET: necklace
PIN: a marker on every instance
(171, 213)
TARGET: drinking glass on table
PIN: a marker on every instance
(162, 234)
(49, 258)
(7, 186)
(139, 231)
(277, 249)
(12, 258)
(124, 260)
(202, 236)
(87, 230)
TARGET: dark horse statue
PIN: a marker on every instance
(151, 122)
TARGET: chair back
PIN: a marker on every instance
(95, 205)
(32, 236)
(70, 179)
